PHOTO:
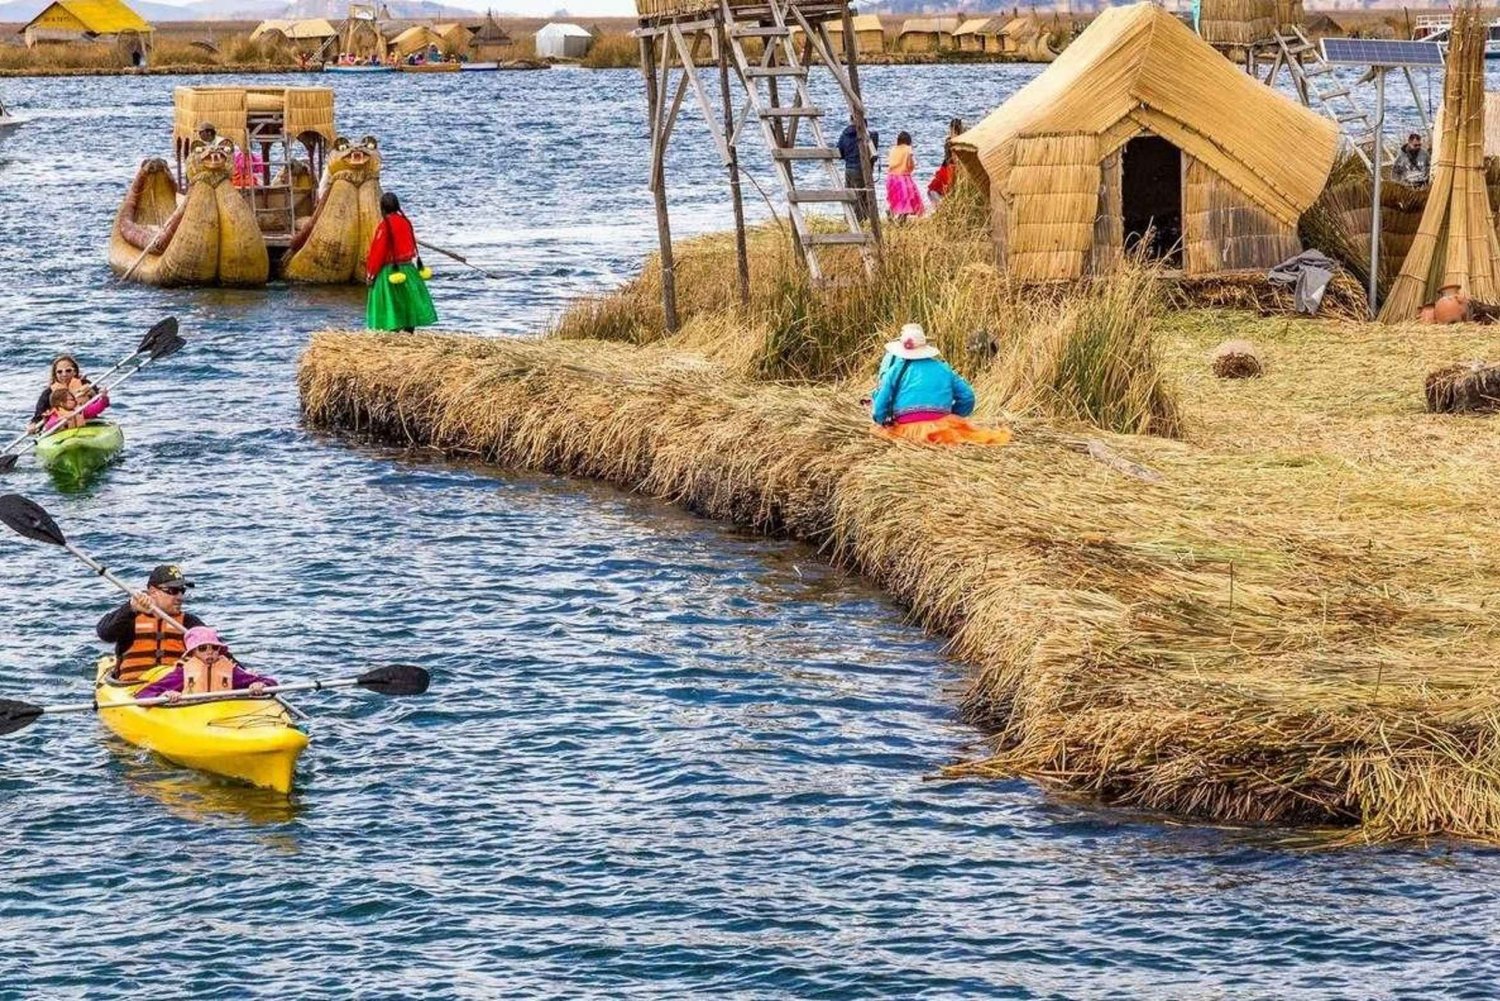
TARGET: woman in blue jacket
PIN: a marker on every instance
(920, 397)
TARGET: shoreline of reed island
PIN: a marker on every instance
(1266, 601)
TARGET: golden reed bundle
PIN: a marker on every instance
(1287, 618)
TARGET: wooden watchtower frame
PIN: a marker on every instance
(686, 36)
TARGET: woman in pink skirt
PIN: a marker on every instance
(902, 196)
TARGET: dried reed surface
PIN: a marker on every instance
(1292, 623)
(1236, 359)
(1465, 387)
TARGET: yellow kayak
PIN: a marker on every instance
(252, 740)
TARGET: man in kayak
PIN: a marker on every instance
(142, 641)
(206, 667)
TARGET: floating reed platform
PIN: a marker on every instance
(1288, 617)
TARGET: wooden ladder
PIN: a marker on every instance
(1296, 51)
(781, 124)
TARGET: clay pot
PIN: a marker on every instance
(1426, 314)
(1452, 305)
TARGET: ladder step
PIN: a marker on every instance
(835, 239)
(1328, 95)
(1317, 70)
(755, 71)
(805, 111)
(822, 195)
(1299, 48)
(1356, 116)
(806, 153)
(766, 31)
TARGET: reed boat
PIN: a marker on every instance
(247, 205)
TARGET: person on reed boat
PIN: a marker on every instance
(902, 198)
(1413, 165)
(67, 375)
(854, 169)
(206, 666)
(398, 298)
(207, 133)
(920, 398)
(142, 641)
(69, 411)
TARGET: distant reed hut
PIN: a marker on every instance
(361, 36)
(980, 34)
(91, 22)
(1289, 14)
(563, 41)
(413, 39)
(1319, 25)
(490, 43)
(927, 34)
(1141, 136)
(1238, 24)
(309, 36)
(869, 33)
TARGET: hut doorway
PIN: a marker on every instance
(1151, 198)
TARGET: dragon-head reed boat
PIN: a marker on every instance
(261, 186)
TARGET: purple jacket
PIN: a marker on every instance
(172, 682)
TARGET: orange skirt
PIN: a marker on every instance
(950, 430)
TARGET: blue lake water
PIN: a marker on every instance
(659, 759)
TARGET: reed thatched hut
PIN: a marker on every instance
(489, 42)
(980, 34)
(1017, 34)
(927, 34)
(869, 33)
(1237, 24)
(1289, 14)
(1141, 128)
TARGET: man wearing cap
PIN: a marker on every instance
(142, 640)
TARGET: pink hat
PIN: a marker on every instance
(202, 636)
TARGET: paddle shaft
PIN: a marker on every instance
(272, 691)
(457, 257)
(156, 610)
(125, 275)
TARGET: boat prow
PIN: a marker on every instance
(248, 740)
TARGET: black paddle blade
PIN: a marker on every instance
(17, 715)
(396, 679)
(166, 347)
(26, 517)
(163, 328)
(8, 462)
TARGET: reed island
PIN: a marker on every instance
(1267, 600)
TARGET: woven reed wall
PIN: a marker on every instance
(223, 107)
(1224, 230)
(665, 8)
(1054, 200)
(1109, 220)
(1237, 22)
(310, 109)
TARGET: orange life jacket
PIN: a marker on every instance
(155, 643)
(199, 677)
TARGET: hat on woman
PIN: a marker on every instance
(202, 636)
(912, 344)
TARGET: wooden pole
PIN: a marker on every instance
(659, 184)
(862, 128)
(742, 252)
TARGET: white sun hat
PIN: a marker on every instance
(912, 344)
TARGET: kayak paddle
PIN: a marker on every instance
(392, 679)
(161, 341)
(28, 518)
(460, 259)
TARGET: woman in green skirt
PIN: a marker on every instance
(398, 298)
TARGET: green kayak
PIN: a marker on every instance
(79, 451)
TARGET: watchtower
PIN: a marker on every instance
(685, 38)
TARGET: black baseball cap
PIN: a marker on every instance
(168, 575)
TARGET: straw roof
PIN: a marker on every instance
(303, 109)
(490, 31)
(981, 26)
(862, 22)
(929, 26)
(1138, 68)
(102, 17)
(1020, 27)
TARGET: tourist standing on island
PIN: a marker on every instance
(854, 170)
(398, 298)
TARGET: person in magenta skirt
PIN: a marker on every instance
(902, 196)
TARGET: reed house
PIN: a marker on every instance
(1140, 135)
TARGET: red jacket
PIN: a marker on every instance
(942, 180)
(394, 243)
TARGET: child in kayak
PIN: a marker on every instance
(205, 667)
(63, 403)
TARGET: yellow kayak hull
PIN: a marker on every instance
(249, 740)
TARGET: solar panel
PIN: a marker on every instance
(1381, 52)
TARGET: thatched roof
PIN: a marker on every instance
(490, 31)
(981, 26)
(1020, 27)
(862, 22)
(1138, 68)
(929, 26)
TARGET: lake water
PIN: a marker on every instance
(659, 758)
